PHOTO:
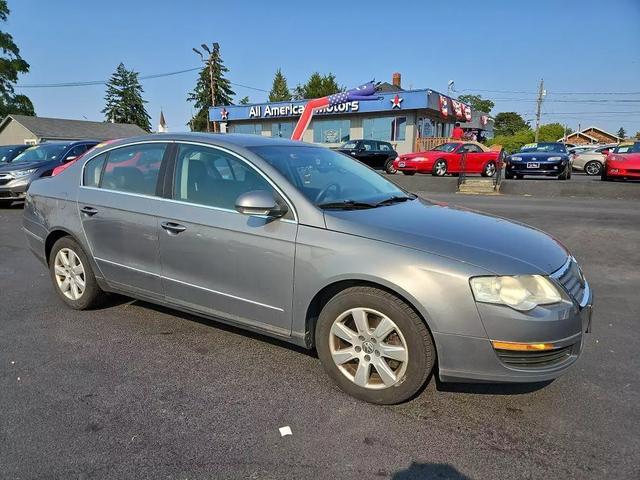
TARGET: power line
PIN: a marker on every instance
(549, 92)
(145, 77)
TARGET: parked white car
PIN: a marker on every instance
(591, 161)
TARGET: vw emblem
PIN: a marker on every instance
(367, 347)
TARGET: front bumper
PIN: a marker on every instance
(621, 172)
(15, 189)
(473, 359)
(544, 168)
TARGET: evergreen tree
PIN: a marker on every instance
(124, 102)
(622, 133)
(11, 65)
(201, 94)
(279, 90)
(244, 101)
(317, 86)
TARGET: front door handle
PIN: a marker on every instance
(172, 227)
(89, 211)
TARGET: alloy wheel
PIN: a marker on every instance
(441, 168)
(490, 169)
(593, 168)
(69, 274)
(368, 348)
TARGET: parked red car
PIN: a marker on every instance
(447, 158)
(623, 163)
(59, 169)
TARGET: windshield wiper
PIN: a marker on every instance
(394, 199)
(346, 205)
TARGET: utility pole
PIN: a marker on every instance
(541, 94)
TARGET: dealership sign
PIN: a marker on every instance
(294, 110)
(383, 102)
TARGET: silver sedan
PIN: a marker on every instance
(308, 245)
(591, 161)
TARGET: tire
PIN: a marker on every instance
(409, 172)
(489, 169)
(389, 168)
(593, 168)
(439, 168)
(408, 334)
(566, 174)
(89, 297)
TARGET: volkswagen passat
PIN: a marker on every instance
(306, 244)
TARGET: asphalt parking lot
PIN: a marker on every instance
(137, 391)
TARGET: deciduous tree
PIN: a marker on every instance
(477, 102)
(11, 65)
(508, 123)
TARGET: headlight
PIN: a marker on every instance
(552, 159)
(522, 292)
(23, 173)
(516, 159)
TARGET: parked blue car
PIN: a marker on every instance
(9, 152)
(35, 162)
(549, 159)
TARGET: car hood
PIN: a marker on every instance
(542, 156)
(427, 154)
(495, 244)
(13, 166)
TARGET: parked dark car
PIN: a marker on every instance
(35, 162)
(310, 246)
(9, 152)
(374, 153)
(549, 159)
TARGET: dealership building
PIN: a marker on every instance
(395, 115)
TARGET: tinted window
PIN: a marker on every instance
(207, 176)
(323, 175)
(42, 153)
(134, 169)
(7, 153)
(93, 170)
(349, 145)
(369, 146)
(76, 151)
(544, 147)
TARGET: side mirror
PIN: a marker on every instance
(259, 202)
(69, 158)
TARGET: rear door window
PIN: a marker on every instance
(134, 169)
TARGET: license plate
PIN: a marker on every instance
(401, 164)
(533, 165)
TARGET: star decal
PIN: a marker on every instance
(224, 114)
(395, 101)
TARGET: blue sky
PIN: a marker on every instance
(504, 45)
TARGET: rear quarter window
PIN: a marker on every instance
(93, 170)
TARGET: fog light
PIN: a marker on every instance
(522, 347)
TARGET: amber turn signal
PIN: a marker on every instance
(522, 347)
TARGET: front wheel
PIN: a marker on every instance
(374, 346)
(72, 276)
(593, 168)
(389, 168)
(566, 173)
(439, 168)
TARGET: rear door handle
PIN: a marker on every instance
(172, 227)
(90, 211)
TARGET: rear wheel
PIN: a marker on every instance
(389, 168)
(409, 172)
(489, 169)
(439, 168)
(72, 276)
(593, 168)
(374, 346)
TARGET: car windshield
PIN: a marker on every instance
(634, 148)
(349, 145)
(330, 179)
(446, 147)
(7, 153)
(544, 147)
(41, 153)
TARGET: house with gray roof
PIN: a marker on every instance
(21, 129)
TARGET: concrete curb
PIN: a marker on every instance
(595, 188)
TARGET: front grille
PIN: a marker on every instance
(571, 278)
(4, 181)
(534, 359)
